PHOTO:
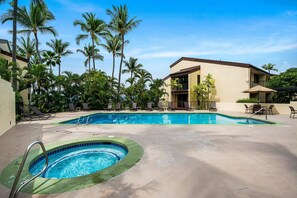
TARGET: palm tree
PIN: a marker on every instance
(93, 27)
(132, 66)
(113, 45)
(121, 23)
(88, 53)
(50, 59)
(269, 67)
(26, 47)
(60, 49)
(33, 21)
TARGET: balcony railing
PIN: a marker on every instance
(183, 87)
(262, 83)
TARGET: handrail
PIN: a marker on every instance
(14, 192)
(88, 120)
(262, 109)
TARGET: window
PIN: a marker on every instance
(198, 79)
(256, 78)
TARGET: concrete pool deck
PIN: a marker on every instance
(180, 160)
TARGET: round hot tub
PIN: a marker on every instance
(74, 165)
(79, 160)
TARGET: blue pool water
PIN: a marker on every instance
(79, 160)
(161, 118)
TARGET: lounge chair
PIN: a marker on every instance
(170, 106)
(248, 109)
(187, 106)
(118, 106)
(39, 113)
(109, 107)
(134, 106)
(149, 106)
(27, 116)
(160, 106)
(269, 110)
(212, 106)
(293, 112)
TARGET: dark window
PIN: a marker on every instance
(198, 79)
(256, 78)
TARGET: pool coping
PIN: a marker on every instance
(266, 122)
(50, 186)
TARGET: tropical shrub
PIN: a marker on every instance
(247, 100)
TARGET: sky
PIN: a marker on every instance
(247, 31)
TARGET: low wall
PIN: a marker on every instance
(7, 106)
(239, 107)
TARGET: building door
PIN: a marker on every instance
(181, 98)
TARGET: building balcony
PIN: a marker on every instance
(262, 83)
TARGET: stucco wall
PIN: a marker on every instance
(21, 64)
(7, 106)
(192, 82)
(230, 81)
(183, 65)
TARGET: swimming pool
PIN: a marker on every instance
(79, 160)
(162, 118)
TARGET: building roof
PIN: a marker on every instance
(185, 71)
(228, 63)
(5, 49)
(4, 45)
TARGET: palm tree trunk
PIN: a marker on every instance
(89, 64)
(51, 70)
(120, 69)
(36, 45)
(113, 66)
(59, 68)
(93, 55)
(14, 39)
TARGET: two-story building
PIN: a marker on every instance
(231, 79)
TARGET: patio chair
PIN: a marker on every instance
(187, 106)
(85, 106)
(170, 106)
(269, 110)
(39, 113)
(160, 106)
(118, 106)
(248, 109)
(71, 106)
(149, 106)
(212, 106)
(293, 112)
(134, 106)
(109, 107)
(256, 108)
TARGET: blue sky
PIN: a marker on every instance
(248, 31)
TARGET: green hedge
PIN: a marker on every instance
(247, 100)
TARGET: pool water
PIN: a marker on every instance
(79, 160)
(161, 118)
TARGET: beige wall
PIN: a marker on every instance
(7, 106)
(230, 81)
(192, 82)
(183, 65)
(21, 64)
